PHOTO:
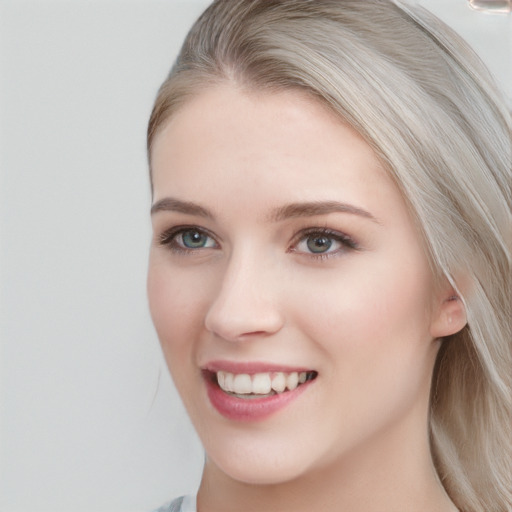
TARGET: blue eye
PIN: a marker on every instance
(322, 242)
(192, 239)
(187, 239)
(319, 244)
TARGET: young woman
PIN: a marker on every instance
(330, 270)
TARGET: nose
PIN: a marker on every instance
(246, 304)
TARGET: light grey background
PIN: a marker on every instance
(89, 420)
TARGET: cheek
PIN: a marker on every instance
(175, 306)
(372, 315)
(373, 331)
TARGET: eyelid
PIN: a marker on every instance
(168, 238)
(348, 243)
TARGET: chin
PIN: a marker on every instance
(258, 465)
(259, 473)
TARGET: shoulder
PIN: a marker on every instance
(181, 504)
(172, 506)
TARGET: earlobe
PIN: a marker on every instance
(450, 318)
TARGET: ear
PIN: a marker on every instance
(449, 316)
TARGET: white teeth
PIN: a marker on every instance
(279, 382)
(292, 381)
(228, 382)
(260, 383)
(242, 384)
(221, 379)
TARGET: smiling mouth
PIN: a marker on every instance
(260, 385)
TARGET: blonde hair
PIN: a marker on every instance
(426, 104)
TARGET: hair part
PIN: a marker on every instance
(426, 104)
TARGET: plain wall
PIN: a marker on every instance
(89, 419)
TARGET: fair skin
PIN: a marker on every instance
(337, 285)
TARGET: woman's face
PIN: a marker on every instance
(283, 252)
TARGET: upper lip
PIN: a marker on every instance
(251, 367)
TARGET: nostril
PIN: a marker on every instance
(239, 325)
(244, 306)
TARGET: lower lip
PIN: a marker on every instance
(250, 409)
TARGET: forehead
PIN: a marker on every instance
(237, 151)
(232, 107)
(258, 135)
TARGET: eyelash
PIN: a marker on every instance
(169, 238)
(346, 242)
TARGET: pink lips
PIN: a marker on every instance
(249, 409)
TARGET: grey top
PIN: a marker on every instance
(182, 504)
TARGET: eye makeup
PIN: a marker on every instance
(322, 242)
(187, 239)
(312, 242)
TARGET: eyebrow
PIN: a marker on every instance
(169, 204)
(310, 209)
(289, 211)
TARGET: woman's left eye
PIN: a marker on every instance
(323, 243)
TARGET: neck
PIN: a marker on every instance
(392, 472)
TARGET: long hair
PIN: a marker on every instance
(428, 107)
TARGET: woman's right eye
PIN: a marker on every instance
(187, 239)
